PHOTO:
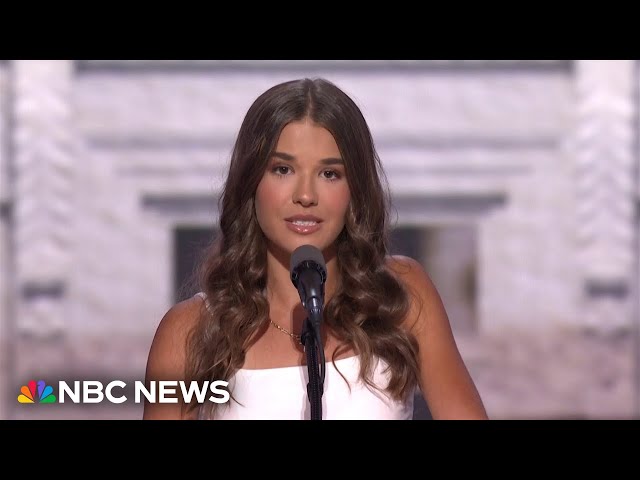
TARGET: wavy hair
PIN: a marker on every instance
(369, 303)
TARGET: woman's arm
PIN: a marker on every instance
(445, 381)
(167, 355)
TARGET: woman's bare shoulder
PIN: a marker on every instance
(423, 296)
(168, 353)
(401, 265)
(169, 342)
(444, 379)
(409, 272)
(180, 318)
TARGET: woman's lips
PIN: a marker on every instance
(302, 229)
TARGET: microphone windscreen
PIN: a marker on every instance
(304, 253)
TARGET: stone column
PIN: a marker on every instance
(43, 153)
(636, 283)
(6, 284)
(603, 149)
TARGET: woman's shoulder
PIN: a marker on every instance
(182, 316)
(167, 355)
(408, 270)
(423, 295)
(169, 342)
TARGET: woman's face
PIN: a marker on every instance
(304, 195)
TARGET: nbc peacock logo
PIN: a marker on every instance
(36, 392)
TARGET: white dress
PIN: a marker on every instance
(281, 394)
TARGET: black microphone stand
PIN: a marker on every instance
(308, 274)
(312, 342)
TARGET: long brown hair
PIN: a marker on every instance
(366, 309)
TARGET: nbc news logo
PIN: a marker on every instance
(93, 391)
(44, 393)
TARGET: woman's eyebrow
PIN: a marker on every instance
(290, 158)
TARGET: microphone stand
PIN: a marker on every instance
(312, 342)
(309, 276)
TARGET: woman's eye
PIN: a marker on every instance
(281, 170)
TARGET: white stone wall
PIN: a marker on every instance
(438, 133)
(43, 161)
(5, 284)
(4, 196)
(604, 143)
(527, 274)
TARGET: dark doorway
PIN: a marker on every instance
(189, 244)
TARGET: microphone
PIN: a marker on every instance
(308, 274)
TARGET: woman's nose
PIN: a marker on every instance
(305, 193)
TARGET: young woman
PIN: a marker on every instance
(304, 171)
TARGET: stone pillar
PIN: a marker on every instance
(636, 283)
(42, 145)
(5, 259)
(602, 145)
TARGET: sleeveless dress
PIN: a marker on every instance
(281, 394)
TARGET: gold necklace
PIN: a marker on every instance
(297, 338)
